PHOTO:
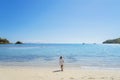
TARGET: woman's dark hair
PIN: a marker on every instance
(60, 57)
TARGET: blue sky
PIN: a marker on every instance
(60, 21)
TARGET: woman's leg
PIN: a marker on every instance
(61, 67)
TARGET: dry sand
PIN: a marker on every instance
(36, 73)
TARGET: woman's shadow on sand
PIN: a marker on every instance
(57, 71)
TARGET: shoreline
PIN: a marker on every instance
(65, 67)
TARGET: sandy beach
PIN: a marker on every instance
(33, 73)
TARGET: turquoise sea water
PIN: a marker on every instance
(76, 55)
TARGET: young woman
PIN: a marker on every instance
(61, 62)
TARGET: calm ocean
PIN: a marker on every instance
(76, 55)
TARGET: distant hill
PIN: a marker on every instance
(18, 42)
(112, 41)
(4, 41)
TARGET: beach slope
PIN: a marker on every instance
(25, 73)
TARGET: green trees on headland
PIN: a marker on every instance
(4, 41)
(112, 41)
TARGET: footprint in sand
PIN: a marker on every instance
(61, 78)
(40, 78)
(102, 78)
(91, 78)
(82, 77)
(112, 78)
(71, 78)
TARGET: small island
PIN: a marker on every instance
(18, 42)
(112, 41)
(4, 41)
